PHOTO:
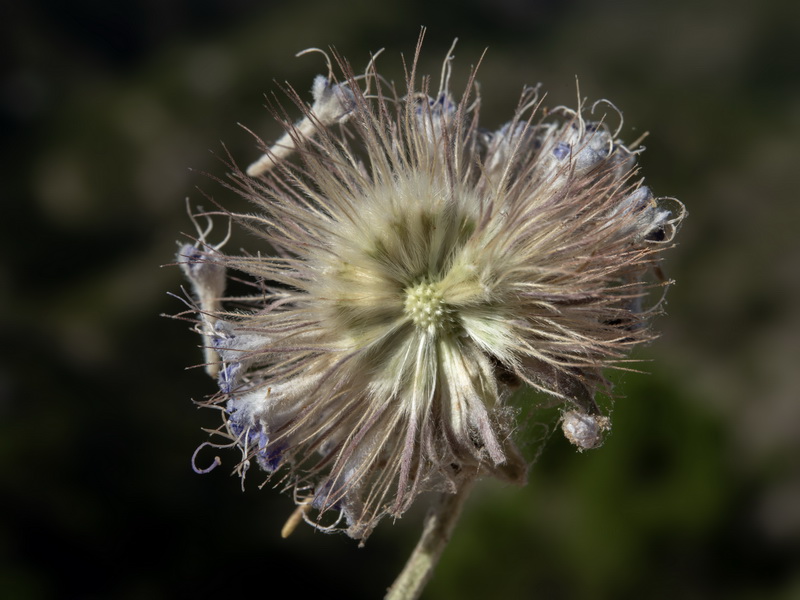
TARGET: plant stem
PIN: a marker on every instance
(439, 524)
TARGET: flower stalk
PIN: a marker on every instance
(437, 530)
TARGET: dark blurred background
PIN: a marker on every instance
(106, 106)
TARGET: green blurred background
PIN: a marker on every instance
(106, 106)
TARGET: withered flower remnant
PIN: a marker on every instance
(423, 268)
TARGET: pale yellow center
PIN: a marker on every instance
(424, 306)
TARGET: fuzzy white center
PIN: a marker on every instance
(424, 306)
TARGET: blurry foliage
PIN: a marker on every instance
(104, 107)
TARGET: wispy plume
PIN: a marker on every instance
(421, 268)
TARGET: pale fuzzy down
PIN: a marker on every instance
(416, 269)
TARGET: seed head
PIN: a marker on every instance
(423, 268)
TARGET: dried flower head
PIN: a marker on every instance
(423, 268)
